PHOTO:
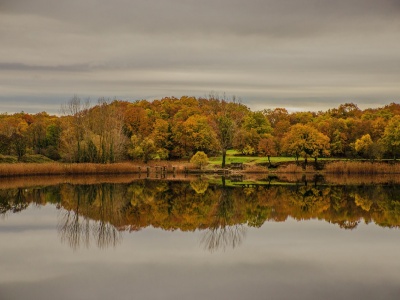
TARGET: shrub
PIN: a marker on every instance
(200, 159)
(8, 159)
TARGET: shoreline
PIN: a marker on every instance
(164, 168)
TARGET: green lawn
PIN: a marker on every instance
(234, 156)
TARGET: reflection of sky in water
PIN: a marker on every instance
(285, 260)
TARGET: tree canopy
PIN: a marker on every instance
(177, 128)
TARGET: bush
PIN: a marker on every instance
(8, 159)
(37, 158)
(200, 159)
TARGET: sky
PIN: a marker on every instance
(298, 54)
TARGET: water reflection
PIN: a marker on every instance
(97, 214)
(76, 231)
(91, 212)
(223, 237)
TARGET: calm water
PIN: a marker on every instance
(144, 239)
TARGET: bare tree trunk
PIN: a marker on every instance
(223, 158)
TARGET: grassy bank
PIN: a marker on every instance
(252, 165)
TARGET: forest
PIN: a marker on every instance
(177, 128)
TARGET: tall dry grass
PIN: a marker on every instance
(291, 168)
(33, 169)
(252, 169)
(357, 167)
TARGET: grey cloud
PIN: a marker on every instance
(49, 68)
(297, 53)
(274, 18)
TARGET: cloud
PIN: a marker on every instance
(273, 17)
(262, 51)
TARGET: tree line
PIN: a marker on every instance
(177, 128)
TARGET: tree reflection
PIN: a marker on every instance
(223, 237)
(200, 185)
(76, 228)
(79, 231)
(348, 224)
(97, 214)
(225, 230)
(72, 228)
(12, 201)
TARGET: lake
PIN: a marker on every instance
(197, 238)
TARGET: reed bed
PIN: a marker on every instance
(254, 169)
(356, 167)
(292, 168)
(34, 169)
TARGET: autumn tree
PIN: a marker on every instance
(75, 128)
(305, 141)
(258, 122)
(254, 126)
(224, 130)
(276, 115)
(106, 131)
(198, 134)
(364, 145)
(267, 147)
(18, 145)
(391, 136)
(336, 130)
(246, 141)
(36, 132)
(143, 149)
(347, 110)
(161, 136)
(137, 119)
(5, 144)
(53, 140)
(368, 148)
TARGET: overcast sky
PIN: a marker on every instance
(298, 54)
